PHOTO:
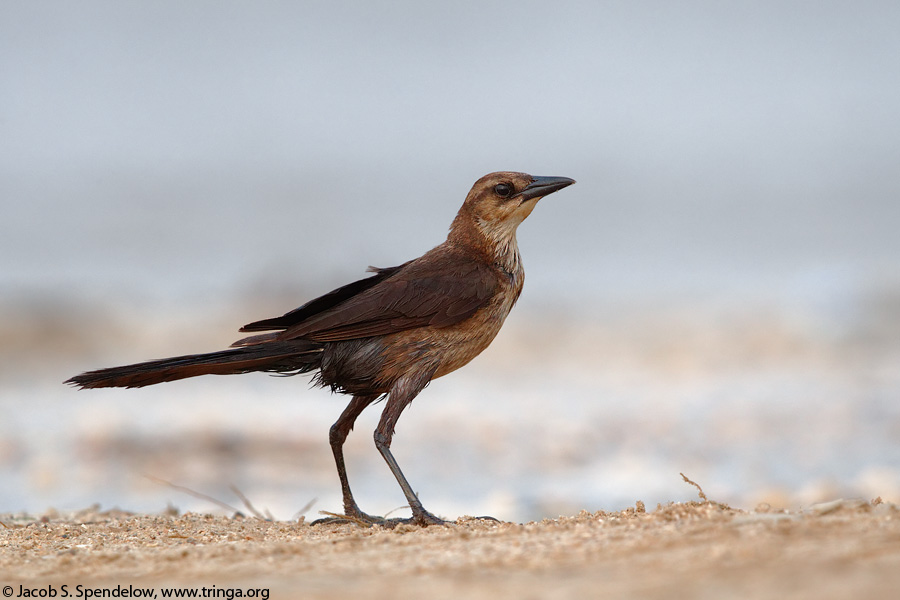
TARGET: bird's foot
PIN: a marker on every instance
(421, 518)
(351, 515)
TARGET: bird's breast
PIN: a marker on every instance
(449, 348)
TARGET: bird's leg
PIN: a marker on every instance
(400, 396)
(336, 436)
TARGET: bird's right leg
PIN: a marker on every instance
(402, 393)
(336, 436)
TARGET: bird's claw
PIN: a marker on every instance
(421, 518)
(488, 518)
(424, 518)
(351, 515)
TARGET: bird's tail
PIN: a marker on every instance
(275, 357)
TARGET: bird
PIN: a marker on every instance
(385, 337)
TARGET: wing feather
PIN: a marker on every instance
(324, 302)
(420, 295)
(438, 290)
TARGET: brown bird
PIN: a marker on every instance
(390, 334)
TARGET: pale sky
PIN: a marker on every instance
(204, 142)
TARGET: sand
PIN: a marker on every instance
(839, 549)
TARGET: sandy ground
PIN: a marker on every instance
(840, 549)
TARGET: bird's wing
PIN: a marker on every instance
(323, 303)
(420, 294)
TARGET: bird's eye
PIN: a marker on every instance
(504, 190)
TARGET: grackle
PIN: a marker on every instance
(390, 334)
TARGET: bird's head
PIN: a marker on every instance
(498, 202)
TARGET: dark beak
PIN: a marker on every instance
(543, 186)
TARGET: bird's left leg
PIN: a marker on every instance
(336, 436)
(401, 394)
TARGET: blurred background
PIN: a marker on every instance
(719, 294)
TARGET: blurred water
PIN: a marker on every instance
(558, 415)
(717, 295)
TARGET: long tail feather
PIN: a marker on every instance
(284, 357)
